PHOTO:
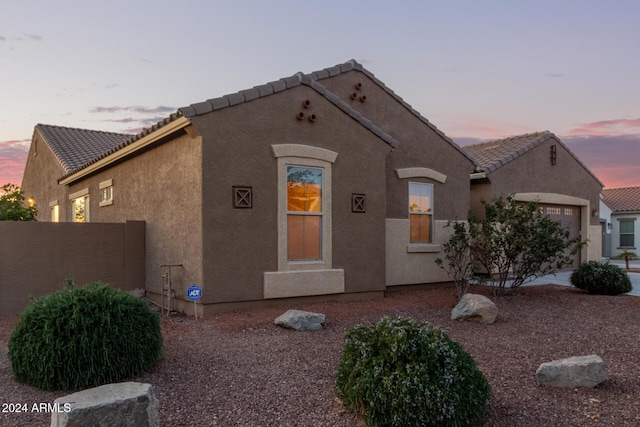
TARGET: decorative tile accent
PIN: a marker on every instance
(242, 197)
(358, 203)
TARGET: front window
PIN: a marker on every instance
(627, 234)
(305, 212)
(81, 209)
(420, 212)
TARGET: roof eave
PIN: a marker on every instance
(143, 142)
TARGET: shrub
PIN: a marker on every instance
(84, 337)
(600, 278)
(401, 372)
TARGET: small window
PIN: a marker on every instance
(106, 193)
(627, 233)
(55, 211)
(420, 212)
(80, 205)
(81, 209)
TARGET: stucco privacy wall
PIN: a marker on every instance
(240, 245)
(36, 258)
(162, 187)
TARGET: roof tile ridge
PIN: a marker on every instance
(241, 96)
(44, 125)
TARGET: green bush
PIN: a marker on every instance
(401, 372)
(600, 278)
(84, 337)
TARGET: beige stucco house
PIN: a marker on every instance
(624, 205)
(539, 167)
(315, 186)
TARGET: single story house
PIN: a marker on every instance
(539, 167)
(317, 186)
(625, 212)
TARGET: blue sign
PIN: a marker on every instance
(194, 292)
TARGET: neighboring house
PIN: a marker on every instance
(625, 212)
(325, 185)
(539, 167)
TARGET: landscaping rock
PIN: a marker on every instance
(475, 308)
(127, 404)
(301, 320)
(579, 371)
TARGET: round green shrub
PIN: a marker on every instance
(84, 337)
(600, 278)
(400, 372)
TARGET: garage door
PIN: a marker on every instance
(569, 218)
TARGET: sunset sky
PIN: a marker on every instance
(478, 70)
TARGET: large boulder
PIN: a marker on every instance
(475, 308)
(301, 320)
(127, 404)
(579, 371)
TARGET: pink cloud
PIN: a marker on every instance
(608, 127)
(612, 158)
(477, 128)
(13, 157)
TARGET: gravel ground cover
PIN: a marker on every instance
(238, 369)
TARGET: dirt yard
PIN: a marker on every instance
(238, 369)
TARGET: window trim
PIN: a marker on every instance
(303, 155)
(104, 185)
(632, 234)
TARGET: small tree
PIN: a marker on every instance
(626, 256)
(12, 205)
(516, 243)
(513, 244)
(458, 260)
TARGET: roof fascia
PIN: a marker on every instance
(147, 140)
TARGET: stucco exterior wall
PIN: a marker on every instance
(162, 187)
(240, 245)
(616, 249)
(533, 172)
(420, 146)
(40, 180)
(531, 176)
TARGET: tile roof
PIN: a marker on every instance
(127, 139)
(625, 199)
(491, 155)
(93, 148)
(75, 147)
(297, 79)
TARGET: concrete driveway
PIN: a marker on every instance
(562, 277)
